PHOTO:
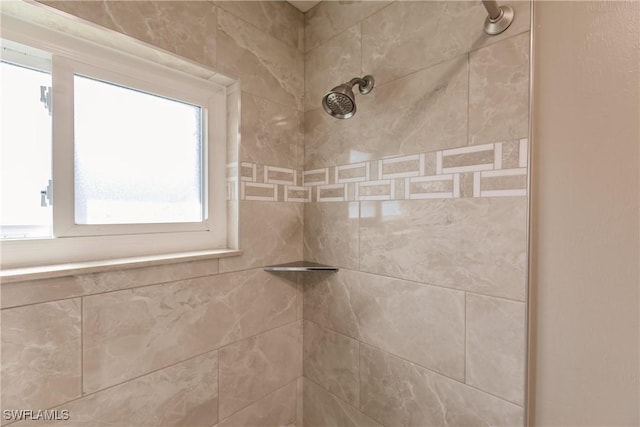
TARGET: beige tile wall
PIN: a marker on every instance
(424, 324)
(204, 343)
(420, 198)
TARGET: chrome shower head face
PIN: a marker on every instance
(340, 102)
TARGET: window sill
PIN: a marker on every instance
(61, 270)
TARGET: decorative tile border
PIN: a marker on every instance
(489, 170)
(267, 183)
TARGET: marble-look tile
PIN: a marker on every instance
(265, 66)
(327, 141)
(331, 233)
(496, 346)
(252, 368)
(511, 154)
(328, 302)
(186, 28)
(185, 394)
(271, 133)
(331, 360)
(331, 64)
(499, 91)
(322, 409)
(398, 393)
(474, 244)
(408, 36)
(426, 111)
(275, 409)
(466, 184)
(35, 291)
(233, 220)
(387, 312)
(299, 402)
(329, 18)
(504, 182)
(279, 19)
(270, 233)
(462, 160)
(133, 332)
(41, 364)
(300, 281)
(234, 115)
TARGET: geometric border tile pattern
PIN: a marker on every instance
(489, 170)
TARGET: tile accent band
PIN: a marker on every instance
(489, 170)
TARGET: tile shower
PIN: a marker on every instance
(420, 199)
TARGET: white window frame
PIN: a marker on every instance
(75, 243)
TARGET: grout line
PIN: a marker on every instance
(464, 341)
(342, 334)
(217, 349)
(303, 346)
(276, 102)
(269, 393)
(224, 346)
(361, 343)
(519, 405)
(218, 388)
(260, 267)
(82, 346)
(344, 402)
(469, 100)
(263, 97)
(244, 339)
(359, 234)
(359, 375)
(264, 32)
(81, 295)
(361, 48)
(295, 400)
(325, 41)
(446, 59)
(301, 123)
(81, 397)
(217, 34)
(84, 395)
(393, 355)
(431, 284)
(500, 40)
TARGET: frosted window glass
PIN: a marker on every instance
(25, 153)
(137, 156)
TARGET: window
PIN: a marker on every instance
(147, 169)
(26, 149)
(105, 155)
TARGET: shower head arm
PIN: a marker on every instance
(365, 84)
(499, 19)
(356, 81)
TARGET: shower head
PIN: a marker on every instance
(340, 102)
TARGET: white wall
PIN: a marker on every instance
(585, 219)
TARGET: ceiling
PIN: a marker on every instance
(304, 5)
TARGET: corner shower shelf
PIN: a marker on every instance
(300, 266)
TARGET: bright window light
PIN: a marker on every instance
(25, 153)
(138, 156)
(104, 155)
